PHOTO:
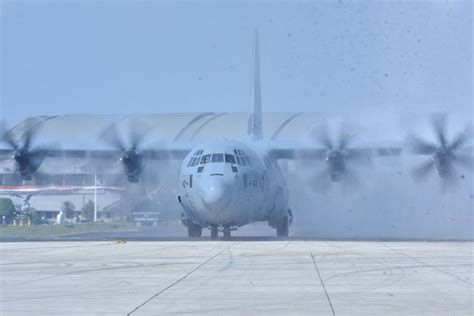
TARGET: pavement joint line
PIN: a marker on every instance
(427, 264)
(322, 283)
(178, 280)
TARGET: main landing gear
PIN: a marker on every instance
(214, 232)
(194, 230)
(283, 227)
(226, 231)
(282, 230)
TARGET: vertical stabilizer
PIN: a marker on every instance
(256, 124)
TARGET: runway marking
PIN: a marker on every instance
(322, 283)
(428, 265)
(177, 281)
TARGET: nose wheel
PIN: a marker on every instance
(226, 232)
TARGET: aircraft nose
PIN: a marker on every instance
(216, 194)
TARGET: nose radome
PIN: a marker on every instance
(216, 194)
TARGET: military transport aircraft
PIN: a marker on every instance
(225, 184)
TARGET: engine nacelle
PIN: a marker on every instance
(132, 165)
(335, 164)
(27, 162)
(443, 160)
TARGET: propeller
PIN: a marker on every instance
(340, 159)
(27, 157)
(445, 154)
(131, 158)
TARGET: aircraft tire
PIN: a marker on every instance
(194, 230)
(214, 233)
(282, 230)
(227, 233)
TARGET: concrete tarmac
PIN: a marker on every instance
(237, 278)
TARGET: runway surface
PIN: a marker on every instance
(236, 277)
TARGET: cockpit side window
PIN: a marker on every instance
(230, 159)
(198, 152)
(196, 162)
(242, 158)
(191, 162)
(217, 157)
(205, 159)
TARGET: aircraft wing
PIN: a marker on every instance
(296, 151)
(132, 158)
(154, 154)
(113, 154)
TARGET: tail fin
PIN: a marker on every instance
(256, 124)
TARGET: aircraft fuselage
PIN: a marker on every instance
(227, 183)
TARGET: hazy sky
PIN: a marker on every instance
(62, 57)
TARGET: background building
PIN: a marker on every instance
(384, 202)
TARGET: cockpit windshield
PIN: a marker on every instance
(230, 159)
(214, 158)
(239, 159)
(217, 157)
(205, 159)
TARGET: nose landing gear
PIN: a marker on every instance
(226, 231)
